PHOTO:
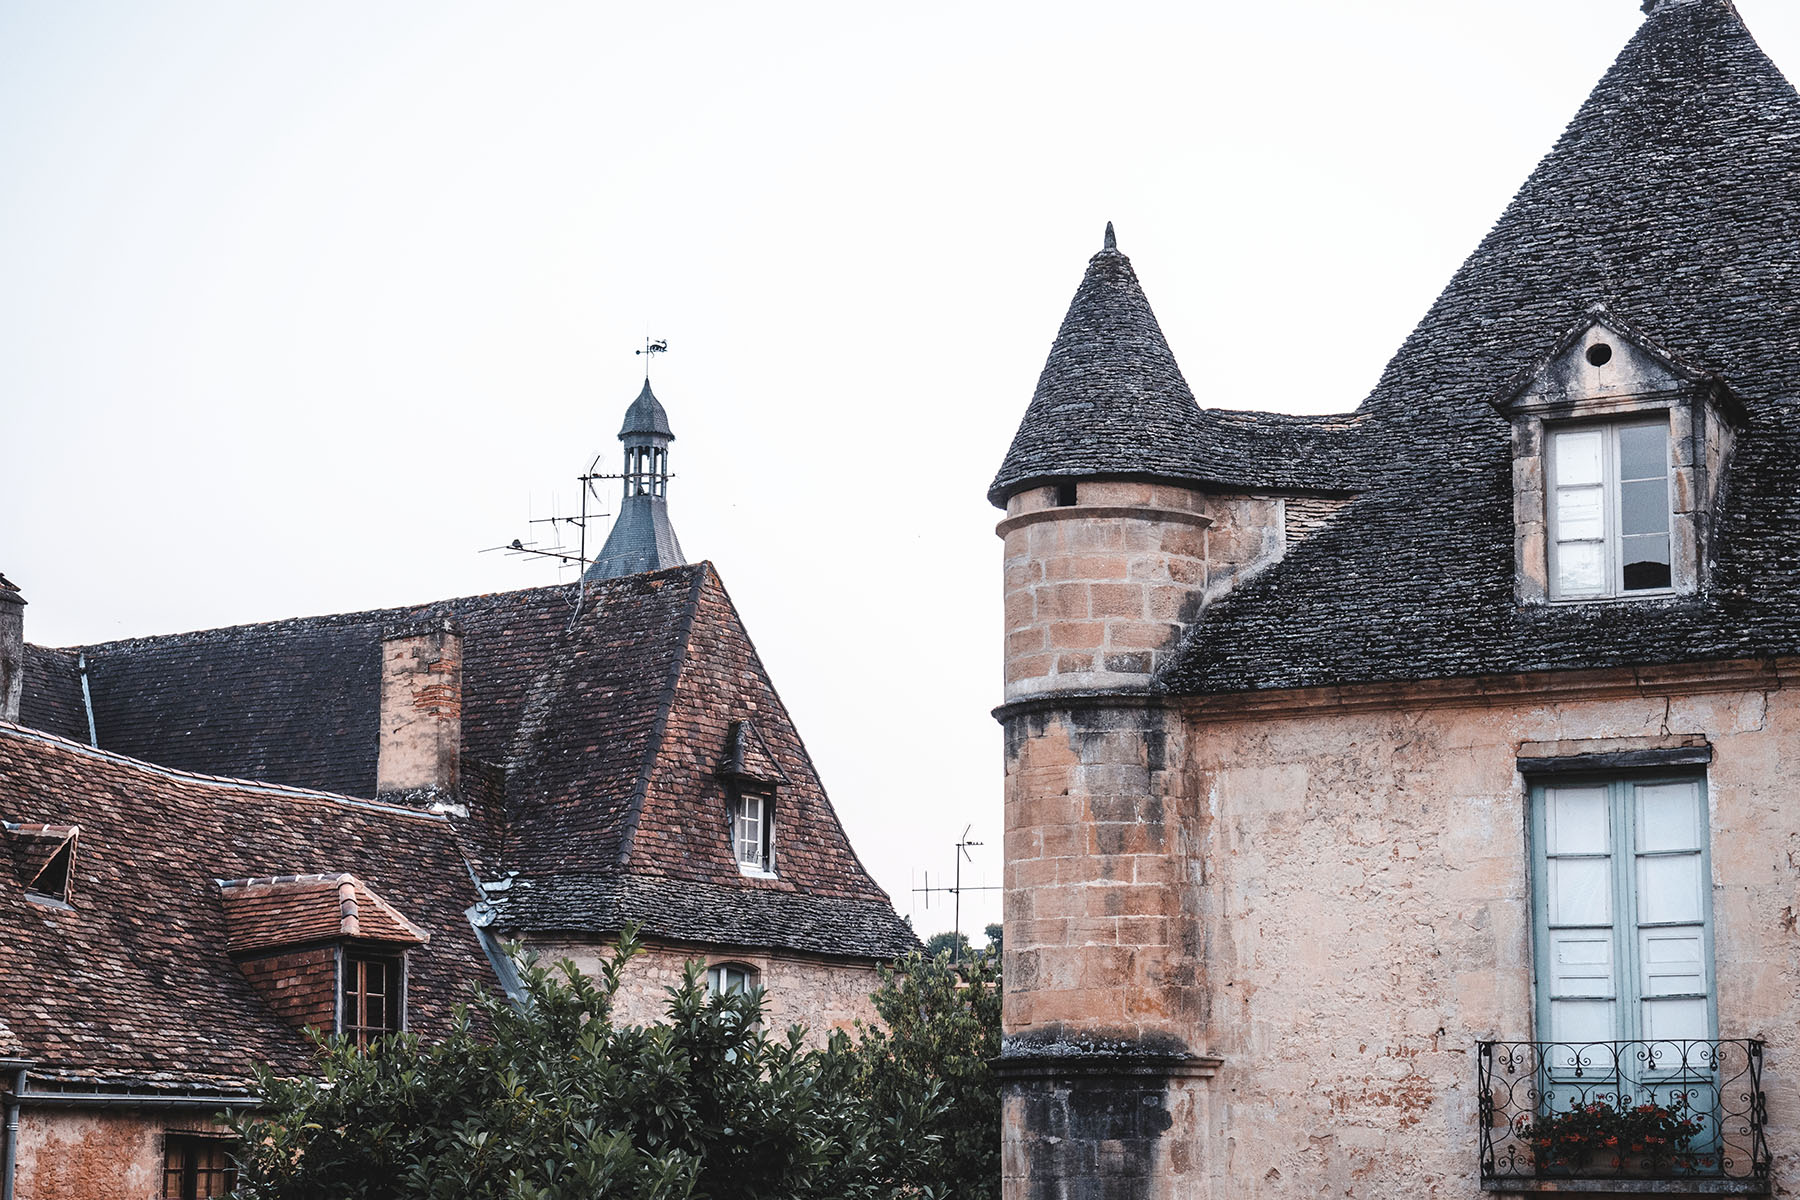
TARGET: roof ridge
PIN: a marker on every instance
(26, 733)
(634, 810)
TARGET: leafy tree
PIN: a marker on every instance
(942, 1031)
(549, 1100)
(956, 945)
(996, 933)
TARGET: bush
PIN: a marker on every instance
(550, 1100)
(1612, 1133)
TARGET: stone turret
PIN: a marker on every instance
(1106, 559)
(642, 539)
(12, 649)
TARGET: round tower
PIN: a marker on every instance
(1105, 1018)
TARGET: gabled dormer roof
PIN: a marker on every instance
(1601, 356)
(747, 756)
(278, 911)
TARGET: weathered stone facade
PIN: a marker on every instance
(822, 995)
(99, 1154)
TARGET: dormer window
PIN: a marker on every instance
(753, 831)
(1609, 510)
(751, 774)
(373, 1003)
(1620, 451)
(44, 859)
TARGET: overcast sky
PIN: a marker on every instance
(305, 304)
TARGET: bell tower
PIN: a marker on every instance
(641, 539)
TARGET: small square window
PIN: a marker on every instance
(373, 998)
(723, 979)
(1609, 510)
(196, 1166)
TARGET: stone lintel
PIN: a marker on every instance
(1114, 1064)
(1062, 701)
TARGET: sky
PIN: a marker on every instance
(307, 304)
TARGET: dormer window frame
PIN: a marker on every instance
(751, 808)
(1606, 374)
(1611, 485)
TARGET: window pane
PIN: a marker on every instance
(1579, 569)
(1580, 891)
(1672, 961)
(1677, 1019)
(1669, 889)
(1644, 507)
(1577, 456)
(1644, 451)
(1646, 562)
(1579, 1021)
(1581, 964)
(1579, 514)
(1668, 817)
(1576, 821)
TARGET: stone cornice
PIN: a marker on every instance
(1080, 512)
(1534, 687)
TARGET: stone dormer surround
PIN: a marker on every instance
(1605, 369)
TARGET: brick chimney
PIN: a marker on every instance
(421, 707)
(12, 649)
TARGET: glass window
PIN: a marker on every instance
(1609, 510)
(725, 978)
(372, 997)
(1624, 946)
(196, 1166)
(752, 830)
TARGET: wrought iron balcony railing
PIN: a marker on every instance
(1688, 1112)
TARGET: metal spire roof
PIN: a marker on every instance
(646, 415)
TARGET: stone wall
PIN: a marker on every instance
(820, 994)
(66, 1154)
(1370, 876)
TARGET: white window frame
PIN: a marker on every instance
(752, 831)
(725, 978)
(1612, 506)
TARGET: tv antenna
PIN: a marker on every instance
(956, 890)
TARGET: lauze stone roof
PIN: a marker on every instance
(1673, 199)
(594, 750)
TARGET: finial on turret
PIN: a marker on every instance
(1112, 243)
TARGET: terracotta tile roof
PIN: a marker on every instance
(591, 745)
(133, 983)
(293, 910)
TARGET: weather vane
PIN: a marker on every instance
(659, 346)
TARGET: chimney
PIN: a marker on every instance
(12, 649)
(421, 707)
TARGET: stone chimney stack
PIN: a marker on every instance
(421, 707)
(12, 649)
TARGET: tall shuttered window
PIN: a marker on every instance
(196, 1166)
(1623, 914)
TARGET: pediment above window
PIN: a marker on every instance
(748, 758)
(1603, 363)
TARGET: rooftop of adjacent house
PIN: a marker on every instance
(130, 982)
(1673, 199)
(594, 748)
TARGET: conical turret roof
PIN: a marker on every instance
(1111, 399)
(646, 415)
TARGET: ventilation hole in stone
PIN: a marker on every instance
(1599, 354)
(1065, 495)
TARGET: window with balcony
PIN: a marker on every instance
(1627, 1079)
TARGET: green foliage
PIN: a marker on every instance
(956, 945)
(551, 1100)
(996, 935)
(942, 1031)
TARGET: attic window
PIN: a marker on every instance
(43, 859)
(1065, 495)
(1620, 451)
(373, 1003)
(753, 831)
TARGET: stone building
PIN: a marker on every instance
(1382, 788)
(546, 765)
